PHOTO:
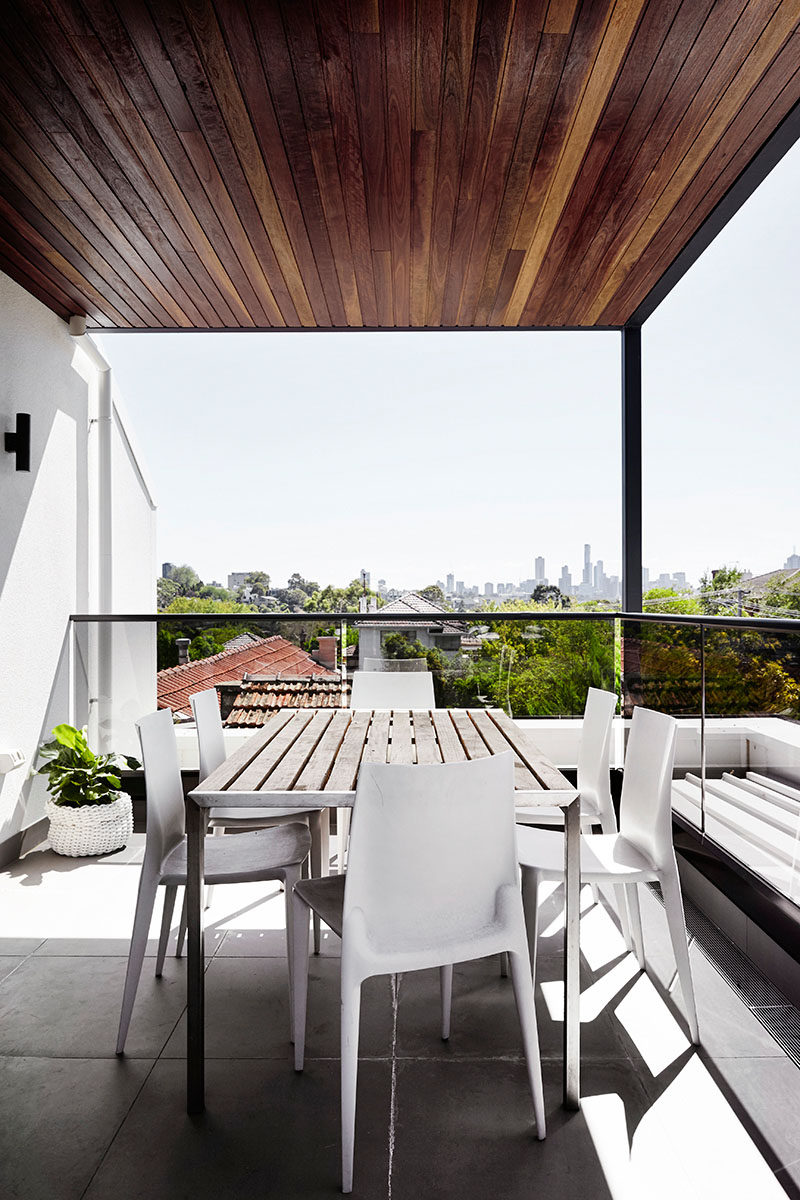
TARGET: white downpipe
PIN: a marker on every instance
(101, 670)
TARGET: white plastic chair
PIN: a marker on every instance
(642, 851)
(271, 854)
(432, 880)
(390, 689)
(211, 746)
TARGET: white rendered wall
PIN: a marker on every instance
(48, 543)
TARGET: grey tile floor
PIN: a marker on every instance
(658, 1118)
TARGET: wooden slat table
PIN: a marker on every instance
(311, 758)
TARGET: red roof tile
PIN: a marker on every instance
(273, 656)
(258, 700)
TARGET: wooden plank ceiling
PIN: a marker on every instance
(256, 163)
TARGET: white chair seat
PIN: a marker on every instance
(547, 815)
(238, 818)
(244, 858)
(605, 857)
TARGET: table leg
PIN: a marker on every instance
(572, 982)
(195, 1024)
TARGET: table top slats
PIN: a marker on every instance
(472, 741)
(288, 769)
(315, 773)
(227, 772)
(256, 775)
(345, 769)
(425, 738)
(401, 747)
(377, 747)
(450, 746)
(498, 743)
(548, 775)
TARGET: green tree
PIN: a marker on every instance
(258, 582)
(549, 594)
(333, 599)
(433, 593)
(185, 579)
(719, 591)
(166, 591)
(668, 600)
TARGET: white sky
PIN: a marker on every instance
(419, 454)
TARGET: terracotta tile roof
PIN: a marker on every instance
(258, 700)
(272, 656)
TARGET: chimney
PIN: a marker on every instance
(325, 655)
(183, 650)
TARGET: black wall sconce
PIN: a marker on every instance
(19, 442)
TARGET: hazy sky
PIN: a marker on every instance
(419, 454)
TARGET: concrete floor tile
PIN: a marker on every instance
(247, 1011)
(8, 964)
(266, 1131)
(766, 1095)
(19, 947)
(69, 1008)
(57, 1118)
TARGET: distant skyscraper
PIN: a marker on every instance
(565, 582)
(792, 563)
(599, 576)
(587, 565)
(488, 589)
(167, 569)
(459, 587)
(450, 584)
(538, 570)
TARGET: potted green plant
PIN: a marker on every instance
(89, 814)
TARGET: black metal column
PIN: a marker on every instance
(632, 469)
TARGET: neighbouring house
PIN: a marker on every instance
(418, 619)
(246, 706)
(273, 657)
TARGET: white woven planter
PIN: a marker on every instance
(91, 829)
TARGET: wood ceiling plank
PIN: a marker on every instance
(397, 25)
(589, 237)
(549, 64)
(271, 42)
(105, 142)
(623, 107)
(337, 67)
(429, 35)
(44, 192)
(271, 242)
(613, 48)
(727, 35)
(492, 37)
(20, 267)
(301, 37)
(523, 48)
(370, 92)
(26, 197)
(459, 52)
(747, 133)
(694, 141)
(98, 299)
(210, 143)
(29, 245)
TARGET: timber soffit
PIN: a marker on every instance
(370, 164)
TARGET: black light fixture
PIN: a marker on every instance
(19, 442)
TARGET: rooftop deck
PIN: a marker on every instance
(434, 1118)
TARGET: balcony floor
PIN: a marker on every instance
(435, 1119)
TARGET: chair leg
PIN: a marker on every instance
(170, 893)
(673, 904)
(145, 900)
(217, 832)
(351, 1012)
(299, 977)
(636, 922)
(291, 876)
(522, 980)
(446, 990)
(320, 859)
(342, 831)
(181, 928)
(530, 904)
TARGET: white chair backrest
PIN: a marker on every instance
(594, 754)
(429, 848)
(645, 816)
(385, 689)
(210, 736)
(166, 813)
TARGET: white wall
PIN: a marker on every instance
(48, 537)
